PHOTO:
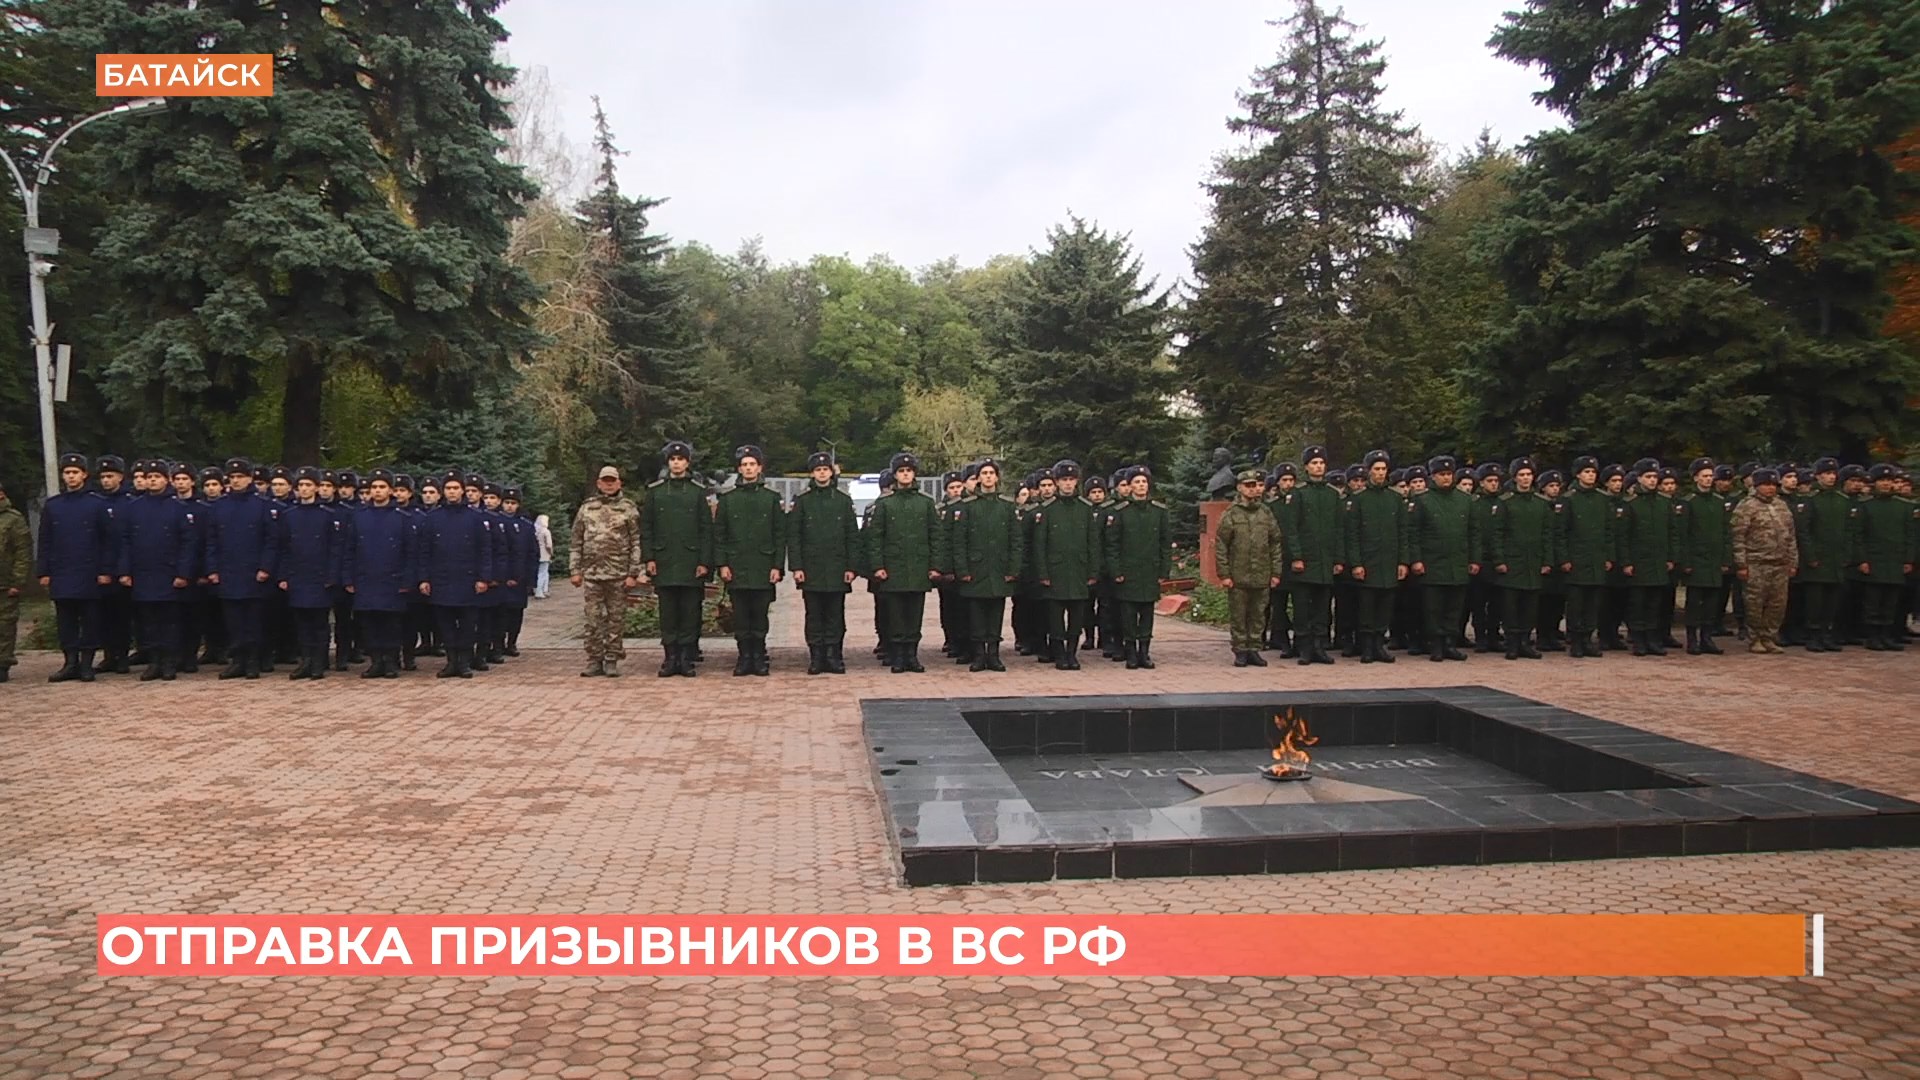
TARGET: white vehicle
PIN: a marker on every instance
(863, 489)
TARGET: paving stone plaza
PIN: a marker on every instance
(530, 790)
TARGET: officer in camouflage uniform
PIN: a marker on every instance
(605, 559)
(1247, 555)
(749, 531)
(1766, 555)
(14, 549)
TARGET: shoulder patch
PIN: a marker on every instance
(1158, 503)
(658, 482)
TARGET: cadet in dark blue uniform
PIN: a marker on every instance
(456, 562)
(347, 646)
(421, 630)
(499, 609)
(116, 602)
(243, 544)
(187, 645)
(213, 627)
(526, 565)
(311, 536)
(281, 643)
(473, 494)
(378, 568)
(76, 557)
(159, 536)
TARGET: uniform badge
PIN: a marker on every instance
(189, 517)
(1557, 507)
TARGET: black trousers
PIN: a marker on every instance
(78, 623)
(986, 619)
(1643, 607)
(1066, 619)
(276, 625)
(1310, 612)
(1614, 602)
(1583, 608)
(344, 638)
(880, 617)
(1136, 620)
(680, 607)
(1663, 614)
(1444, 606)
(243, 623)
(1704, 606)
(752, 612)
(1375, 609)
(456, 627)
(1822, 604)
(953, 615)
(1346, 608)
(905, 611)
(420, 632)
(381, 629)
(1279, 620)
(826, 617)
(1521, 609)
(482, 637)
(310, 627)
(1406, 610)
(1553, 609)
(1107, 618)
(1483, 600)
(512, 618)
(213, 625)
(116, 620)
(159, 624)
(1883, 606)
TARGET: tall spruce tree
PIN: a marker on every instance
(1700, 261)
(1277, 346)
(1083, 370)
(358, 217)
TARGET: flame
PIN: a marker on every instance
(1289, 753)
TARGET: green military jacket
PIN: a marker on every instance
(1649, 536)
(1443, 535)
(15, 547)
(1067, 553)
(905, 538)
(1103, 514)
(988, 545)
(1521, 540)
(1246, 545)
(823, 538)
(676, 531)
(1823, 525)
(1706, 540)
(1884, 527)
(1310, 525)
(1139, 550)
(1376, 535)
(749, 535)
(1583, 535)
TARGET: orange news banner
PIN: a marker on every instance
(1114, 945)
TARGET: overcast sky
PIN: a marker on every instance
(963, 128)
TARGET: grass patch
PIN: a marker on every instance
(37, 627)
(1209, 607)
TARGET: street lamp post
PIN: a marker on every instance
(40, 243)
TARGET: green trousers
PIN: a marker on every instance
(1376, 609)
(1136, 620)
(680, 613)
(1247, 617)
(1442, 608)
(752, 613)
(905, 610)
(826, 617)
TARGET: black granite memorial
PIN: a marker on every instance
(1036, 789)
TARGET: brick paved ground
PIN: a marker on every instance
(531, 790)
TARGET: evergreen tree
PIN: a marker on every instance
(647, 392)
(1083, 373)
(1700, 262)
(1277, 330)
(356, 219)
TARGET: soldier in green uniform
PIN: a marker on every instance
(1376, 545)
(987, 553)
(1139, 554)
(1279, 635)
(1705, 555)
(907, 549)
(1613, 603)
(1311, 531)
(1822, 520)
(1443, 534)
(1066, 558)
(882, 643)
(1884, 528)
(1247, 555)
(1104, 620)
(1731, 491)
(676, 536)
(1030, 603)
(1553, 588)
(1483, 594)
(953, 607)
(1853, 631)
(1583, 549)
(1346, 591)
(1408, 633)
(823, 549)
(1520, 549)
(749, 539)
(1649, 537)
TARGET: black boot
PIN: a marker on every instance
(1437, 649)
(236, 665)
(317, 667)
(1353, 648)
(690, 661)
(70, 670)
(1071, 662)
(1693, 641)
(513, 644)
(1364, 642)
(1832, 640)
(476, 659)
(1380, 652)
(816, 659)
(1893, 639)
(743, 659)
(376, 669)
(1239, 658)
(913, 656)
(300, 671)
(1287, 649)
(1527, 651)
(669, 661)
(994, 663)
(1321, 655)
(407, 662)
(1132, 649)
(1254, 659)
(1086, 641)
(897, 657)
(1707, 647)
(339, 659)
(152, 672)
(1146, 654)
(1656, 643)
(1638, 646)
(762, 663)
(980, 661)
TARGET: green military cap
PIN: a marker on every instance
(1251, 476)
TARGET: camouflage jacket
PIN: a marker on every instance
(606, 539)
(1763, 533)
(14, 546)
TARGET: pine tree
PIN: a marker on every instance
(1700, 262)
(1277, 330)
(356, 218)
(1083, 371)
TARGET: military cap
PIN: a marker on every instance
(886, 482)
(1311, 452)
(1552, 476)
(903, 460)
(1645, 465)
(1882, 471)
(110, 463)
(454, 476)
(953, 477)
(1765, 476)
(1827, 464)
(328, 476)
(490, 488)
(1095, 483)
(1803, 476)
(1416, 472)
(76, 461)
(1669, 473)
(1521, 463)
(1397, 476)
(211, 472)
(1119, 476)
(1486, 469)
(1250, 476)
(1285, 468)
(972, 471)
(306, 473)
(403, 480)
(741, 453)
(819, 459)
(262, 473)
(475, 480)
(180, 468)
(1356, 472)
(1584, 462)
(381, 475)
(239, 465)
(1138, 470)
(1376, 455)
(1610, 472)
(510, 494)
(1848, 472)
(1723, 473)
(429, 481)
(279, 472)
(1701, 463)
(1746, 468)
(347, 478)
(1065, 468)
(677, 448)
(1441, 463)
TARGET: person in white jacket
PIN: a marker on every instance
(543, 537)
